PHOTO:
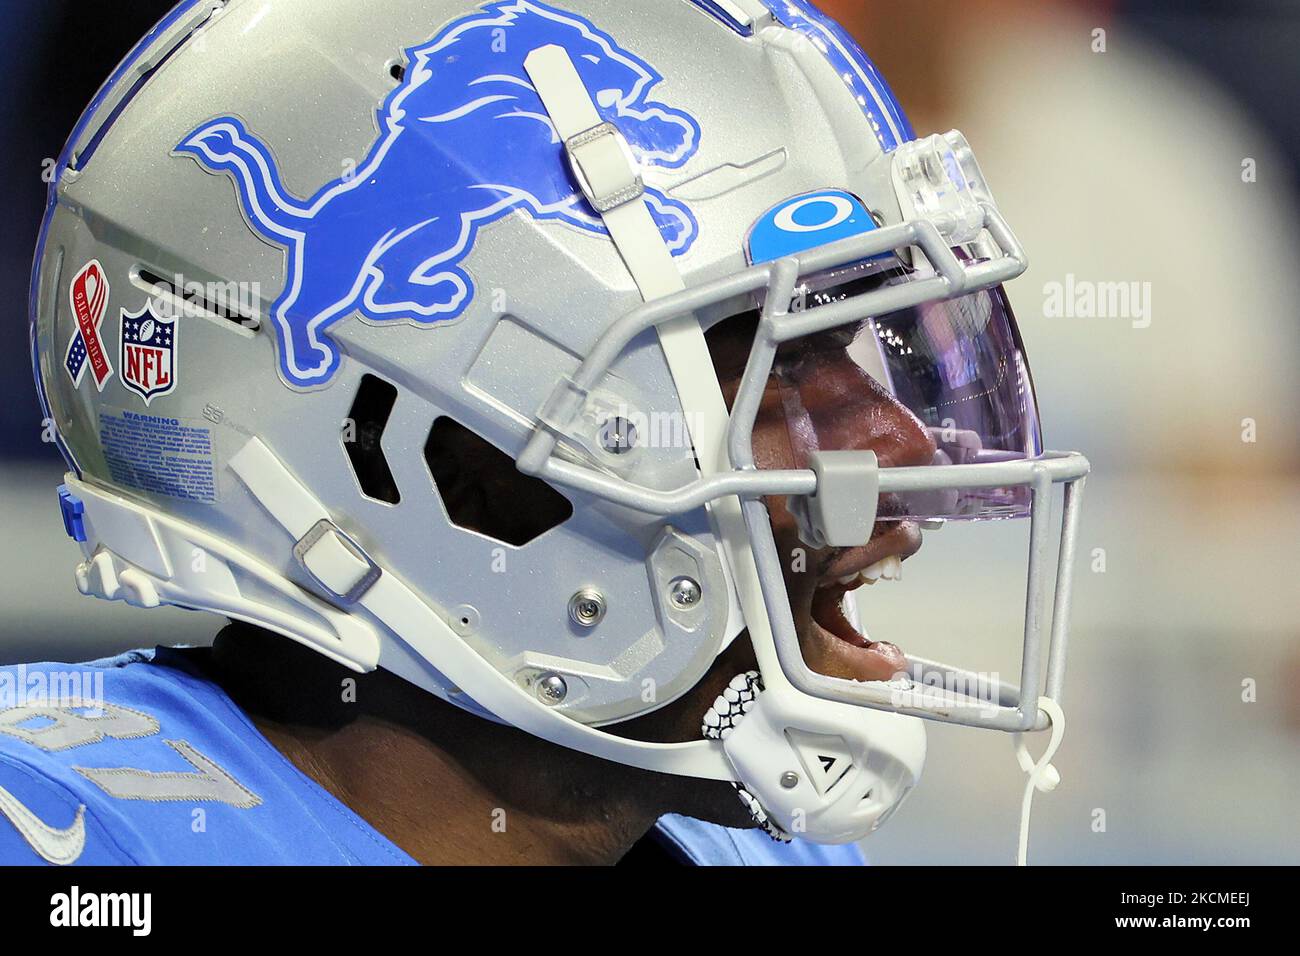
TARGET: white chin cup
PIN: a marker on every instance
(825, 771)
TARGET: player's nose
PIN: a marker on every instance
(839, 406)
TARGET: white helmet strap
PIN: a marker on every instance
(607, 171)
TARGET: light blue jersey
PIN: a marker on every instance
(141, 760)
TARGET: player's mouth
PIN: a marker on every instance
(832, 645)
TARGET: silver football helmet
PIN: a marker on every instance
(299, 257)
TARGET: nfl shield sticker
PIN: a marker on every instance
(148, 353)
(89, 296)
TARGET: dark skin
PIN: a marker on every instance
(435, 779)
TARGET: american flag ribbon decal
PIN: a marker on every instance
(89, 295)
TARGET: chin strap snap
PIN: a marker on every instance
(719, 720)
(1042, 775)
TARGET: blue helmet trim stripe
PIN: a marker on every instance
(84, 157)
(33, 293)
(123, 68)
(878, 102)
(722, 16)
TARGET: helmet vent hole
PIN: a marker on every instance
(397, 70)
(483, 491)
(229, 301)
(363, 433)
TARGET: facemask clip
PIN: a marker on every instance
(841, 513)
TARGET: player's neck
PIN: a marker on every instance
(445, 805)
(444, 785)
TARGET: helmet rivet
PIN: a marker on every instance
(618, 436)
(551, 689)
(789, 780)
(684, 593)
(587, 607)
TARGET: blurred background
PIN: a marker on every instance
(1131, 141)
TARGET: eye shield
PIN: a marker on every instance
(957, 365)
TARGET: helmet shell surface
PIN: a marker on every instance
(377, 190)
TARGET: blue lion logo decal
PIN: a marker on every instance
(464, 141)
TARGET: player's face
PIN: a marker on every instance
(852, 413)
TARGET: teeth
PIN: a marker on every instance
(890, 568)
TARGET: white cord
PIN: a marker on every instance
(1042, 775)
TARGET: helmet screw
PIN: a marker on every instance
(551, 689)
(618, 436)
(789, 780)
(684, 593)
(587, 607)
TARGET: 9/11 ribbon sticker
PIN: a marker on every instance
(89, 295)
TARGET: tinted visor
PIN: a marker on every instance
(957, 366)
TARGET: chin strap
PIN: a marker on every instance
(1042, 775)
(719, 720)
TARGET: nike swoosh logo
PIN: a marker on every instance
(59, 847)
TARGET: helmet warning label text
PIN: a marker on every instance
(163, 456)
